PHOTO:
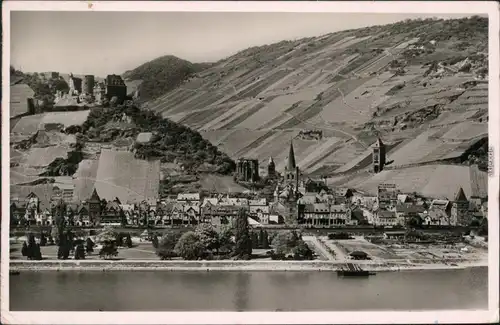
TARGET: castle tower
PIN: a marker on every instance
(460, 208)
(378, 156)
(94, 208)
(271, 168)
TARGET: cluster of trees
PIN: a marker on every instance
(31, 249)
(205, 242)
(236, 242)
(123, 240)
(340, 235)
(173, 143)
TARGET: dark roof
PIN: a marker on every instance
(378, 143)
(410, 208)
(358, 253)
(291, 158)
(94, 196)
(357, 214)
(460, 197)
(387, 214)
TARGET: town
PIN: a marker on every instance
(171, 161)
(297, 201)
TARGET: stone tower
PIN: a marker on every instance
(291, 170)
(460, 209)
(378, 156)
(271, 168)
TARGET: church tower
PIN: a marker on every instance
(378, 156)
(271, 168)
(291, 170)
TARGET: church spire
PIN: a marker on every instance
(291, 158)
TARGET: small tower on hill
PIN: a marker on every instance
(460, 208)
(378, 156)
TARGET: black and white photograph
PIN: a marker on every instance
(330, 159)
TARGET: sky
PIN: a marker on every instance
(102, 43)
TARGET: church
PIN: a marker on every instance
(289, 189)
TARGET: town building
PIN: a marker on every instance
(385, 218)
(88, 85)
(189, 198)
(378, 155)
(247, 170)
(323, 215)
(115, 87)
(387, 195)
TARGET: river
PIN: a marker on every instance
(248, 291)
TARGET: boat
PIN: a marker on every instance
(14, 272)
(353, 270)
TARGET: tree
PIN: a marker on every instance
(31, 251)
(209, 238)
(483, 227)
(265, 240)
(255, 240)
(24, 250)
(43, 239)
(302, 251)
(189, 246)
(155, 241)
(166, 246)
(261, 238)
(79, 252)
(226, 243)
(89, 245)
(65, 242)
(243, 247)
(108, 250)
(123, 218)
(119, 239)
(128, 241)
(285, 241)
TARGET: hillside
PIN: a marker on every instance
(420, 85)
(162, 74)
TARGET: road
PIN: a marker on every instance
(314, 240)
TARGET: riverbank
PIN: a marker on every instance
(148, 265)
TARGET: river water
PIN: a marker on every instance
(248, 291)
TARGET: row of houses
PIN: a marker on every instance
(324, 209)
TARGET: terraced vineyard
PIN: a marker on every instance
(401, 82)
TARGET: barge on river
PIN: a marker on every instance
(353, 270)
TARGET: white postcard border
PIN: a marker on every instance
(449, 7)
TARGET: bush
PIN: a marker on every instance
(189, 246)
(108, 250)
(79, 252)
(166, 247)
(128, 241)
